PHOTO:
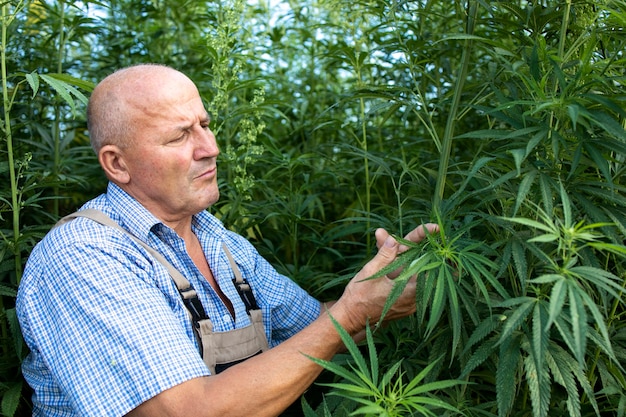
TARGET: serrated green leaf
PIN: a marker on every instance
(11, 398)
(609, 124)
(523, 189)
(583, 381)
(8, 291)
(546, 186)
(454, 310)
(396, 291)
(401, 261)
(547, 279)
(519, 261)
(602, 246)
(74, 82)
(515, 320)
(477, 265)
(438, 305)
(373, 356)
(418, 389)
(389, 375)
(529, 222)
(16, 331)
(351, 389)
(548, 237)
(603, 279)
(539, 341)
(61, 88)
(561, 365)
(600, 161)
(557, 301)
(352, 349)
(33, 81)
(506, 381)
(573, 110)
(578, 318)
(539, 387)
(484, 351)
(599, 319)
(518, 157)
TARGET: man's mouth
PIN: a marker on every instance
(210, 172)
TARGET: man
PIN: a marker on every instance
(108, 330)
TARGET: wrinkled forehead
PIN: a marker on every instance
(169, 109)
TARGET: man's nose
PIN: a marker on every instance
(206, 144)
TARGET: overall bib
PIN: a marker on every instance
(219, 350)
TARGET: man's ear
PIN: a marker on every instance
(112, 160)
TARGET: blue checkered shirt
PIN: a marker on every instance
(105, 324)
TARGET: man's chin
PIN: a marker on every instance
(212, 199)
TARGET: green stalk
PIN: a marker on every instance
(15, 204)
(368, 192)
(57, 114)
(564, 26)
(562, 38)
(363, 142)
(446, 147)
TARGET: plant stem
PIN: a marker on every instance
(446, 147)
(9, 139)
(564, 26)
(366, 168)
(57, 113)
(553, 121)
(358, 48)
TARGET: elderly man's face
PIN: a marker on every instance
(172, 158)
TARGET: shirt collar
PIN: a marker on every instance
(136, 219)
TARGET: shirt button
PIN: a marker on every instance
(226, 318)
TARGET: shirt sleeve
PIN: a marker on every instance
(102, 322)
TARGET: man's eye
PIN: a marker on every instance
(178, 139)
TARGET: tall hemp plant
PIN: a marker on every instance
(235, 106)
(38, 147)
(559, 214)
(521, 295)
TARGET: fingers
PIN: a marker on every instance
(386, 254)
(419, 233)
(387, 251)
(381, 235)
(416, 235)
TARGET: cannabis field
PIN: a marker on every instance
(503, 121)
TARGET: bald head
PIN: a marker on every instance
(123, 96)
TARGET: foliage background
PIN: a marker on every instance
(501, 120)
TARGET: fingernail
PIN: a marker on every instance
(390, 242)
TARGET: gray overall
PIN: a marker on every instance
(219, 350)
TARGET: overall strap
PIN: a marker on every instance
(186, 290)
(243, 288)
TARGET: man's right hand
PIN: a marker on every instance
(364, 300)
